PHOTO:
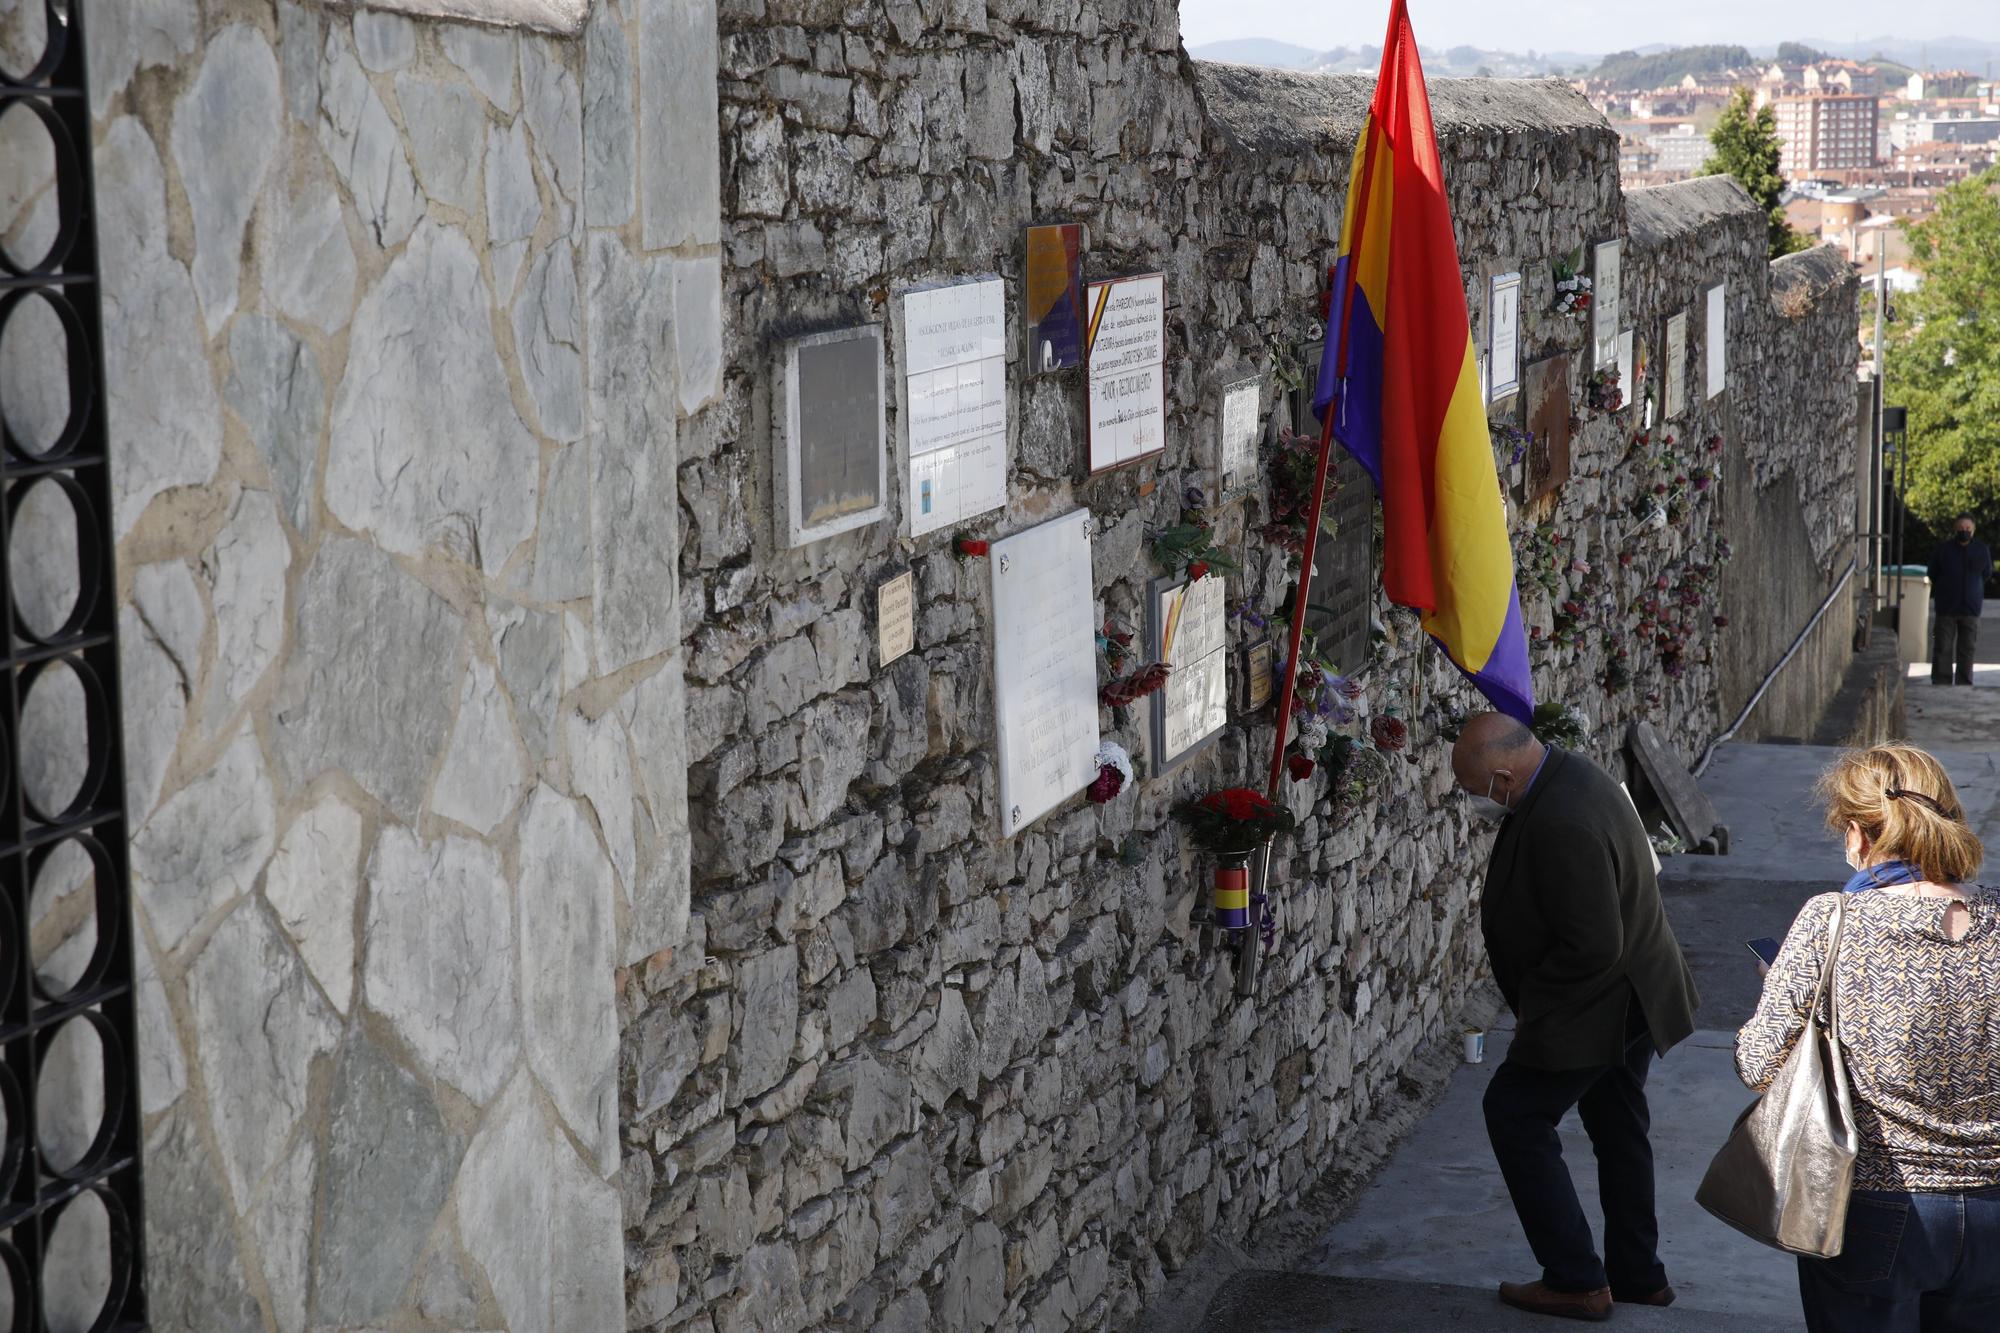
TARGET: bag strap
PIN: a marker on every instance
(1826, 989)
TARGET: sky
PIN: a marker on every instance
(1581, 25)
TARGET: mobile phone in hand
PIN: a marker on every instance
(1766, 949)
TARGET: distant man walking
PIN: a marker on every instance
(1582, 951)
(1959, 569)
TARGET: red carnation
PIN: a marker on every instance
(1197, 570)
(1389, 734)
(1109, 783)
(971, 546)
(1299, 766)
(1722, 622)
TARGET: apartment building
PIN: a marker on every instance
(1825, 132)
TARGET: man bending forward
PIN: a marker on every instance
(1581, 949)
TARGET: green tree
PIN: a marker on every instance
(1798, 53)
(1744, 144)
(1944, 358)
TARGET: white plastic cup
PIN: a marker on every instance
(1475, 1047)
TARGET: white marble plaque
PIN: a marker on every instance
(1716, 343)
(1240, 402)
(1044, 667)
(1127, 341)
(1677, 365)
(1190, 633)
(1503, 337)
(1605, 299)
(1627, 390)
(955, 366)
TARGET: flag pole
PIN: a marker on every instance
(1344, 309)
(1298, 625)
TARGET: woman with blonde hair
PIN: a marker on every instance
(1916, 984)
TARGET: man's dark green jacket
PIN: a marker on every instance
(1574, 925)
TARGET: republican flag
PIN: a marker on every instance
(1402, 382)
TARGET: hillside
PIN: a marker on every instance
(1630, 69)
(1256, 51)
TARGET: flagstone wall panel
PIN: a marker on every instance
(402, 640)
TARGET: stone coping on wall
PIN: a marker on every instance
(1278, 111)
(1800, 281)
(1657, 214)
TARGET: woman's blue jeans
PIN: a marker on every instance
(1911, 1263)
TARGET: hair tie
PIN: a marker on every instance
(1904, 793)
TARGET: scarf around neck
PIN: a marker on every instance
(1887, 872)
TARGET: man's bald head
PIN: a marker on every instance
(1495, 753)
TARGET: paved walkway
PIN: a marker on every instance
(1424, 1246)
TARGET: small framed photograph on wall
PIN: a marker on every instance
(832, 457)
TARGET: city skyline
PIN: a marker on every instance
(1571, 26)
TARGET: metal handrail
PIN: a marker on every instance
(1846, 577)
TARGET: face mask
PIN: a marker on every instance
(1964, 538)
(1485, 807)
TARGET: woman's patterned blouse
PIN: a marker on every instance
(1920, 1023)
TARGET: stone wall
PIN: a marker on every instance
(1790, 501)
(416, 329)
(402, 319)
(915, 1075)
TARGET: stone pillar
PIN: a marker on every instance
(395, 393)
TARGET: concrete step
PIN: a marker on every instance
(1266, 1301)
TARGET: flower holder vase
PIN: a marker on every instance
(1250, 941)
(1229, 892)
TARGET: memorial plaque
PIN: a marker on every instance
(1689, 808)
(1259, 666)
(955, 363)
(1044, 667)
(1717, 343)
(1341, 600)
(1605, 298)
(832, 457)
(1188, 629)
(895, 618)
(1677, 365)
(1240, 429)
(1055, 297)
(1628, 385)
(1503, 336)
(1126, 348)
(1645, 389)
(1547, 389)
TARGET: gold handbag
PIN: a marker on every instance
(1785, 1173)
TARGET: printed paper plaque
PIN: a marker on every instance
(1503, 337)
(955, 361)
(1126, 349)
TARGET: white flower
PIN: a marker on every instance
(1114, 754)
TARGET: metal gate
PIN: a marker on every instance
(71, 1225)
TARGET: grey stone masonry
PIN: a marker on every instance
(914, 1075)
(551, 914)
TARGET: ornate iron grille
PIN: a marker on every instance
(71, 1225)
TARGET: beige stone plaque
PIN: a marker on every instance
(895, 617)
